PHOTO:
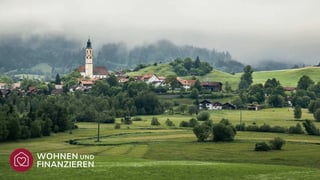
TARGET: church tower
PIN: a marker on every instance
(89, 57)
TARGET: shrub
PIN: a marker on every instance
(109, 120)
(278, 129)
(208, 123)
(117, 126)
(252, 128)
(241, 127)
(316, 114)
(136, 118)
(169, 123)
(126, 120)
(193, 122)
(296, 129)
(155, 122)
(223, 131)
(277, 143)
(184, 124)
(203, 116)
(265, 128)
(262, 146)
(310, 128)
(202, 132)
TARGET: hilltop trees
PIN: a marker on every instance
(188, 67)
(246, 78)
(304, 82)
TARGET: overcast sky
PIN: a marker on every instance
(250, 30)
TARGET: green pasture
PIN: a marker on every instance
(142, 151)
(287, 77)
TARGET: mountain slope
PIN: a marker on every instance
(287, 77)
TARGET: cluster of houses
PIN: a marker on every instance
(157, 81)
(208, 105)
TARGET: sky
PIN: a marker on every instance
(251, 30)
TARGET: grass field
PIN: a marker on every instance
(287, 77)
(141, 151)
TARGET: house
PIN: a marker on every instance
(151, 79)
(290, 89)
(186, 84)
(216, 106)
(254, 107)
(4, 86)
(228, 106)
(205, 104)
(86, 84)
(212, 86)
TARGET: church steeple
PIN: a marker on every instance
(89, 43)
(89, 60)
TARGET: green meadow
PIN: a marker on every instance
(142, 151)
(287, 77)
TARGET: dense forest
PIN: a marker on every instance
(63, 55)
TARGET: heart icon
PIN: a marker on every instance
(21, 161)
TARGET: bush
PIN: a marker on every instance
(117, 126)
(223, 131)
(184, 124)
(262, 146)
(252, 128)
(316, 114)
(169, 123)
(155, 122)
(126, 120)
(193, 122)
(265, 128)
(278, 129)
(310, 128)
(277, 143)
(241, 127)
(109, 120)
(203, 116)
(296, 129)
(202, 132)
(136, 118)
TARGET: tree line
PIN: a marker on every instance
(34, 115)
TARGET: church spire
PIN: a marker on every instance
(89, 43)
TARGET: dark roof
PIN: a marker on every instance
(211, 83)
(89, 44)
(205, 101)
(216, 104)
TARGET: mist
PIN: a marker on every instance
(251, 30)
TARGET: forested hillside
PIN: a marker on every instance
(20, 55)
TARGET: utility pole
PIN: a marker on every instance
(240, 119)
(98, 138)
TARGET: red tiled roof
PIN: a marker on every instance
(186, 82)
(81, 68)
(97, 70)
(100, 70)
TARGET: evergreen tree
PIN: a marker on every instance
(297, 112)
(304, 82)
(246, 78)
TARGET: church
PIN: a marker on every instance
(89, 70)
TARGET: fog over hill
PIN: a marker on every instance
(251, 30)
(63, 54)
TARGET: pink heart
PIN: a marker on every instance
(21, 160)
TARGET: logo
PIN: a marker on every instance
(21, 160)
